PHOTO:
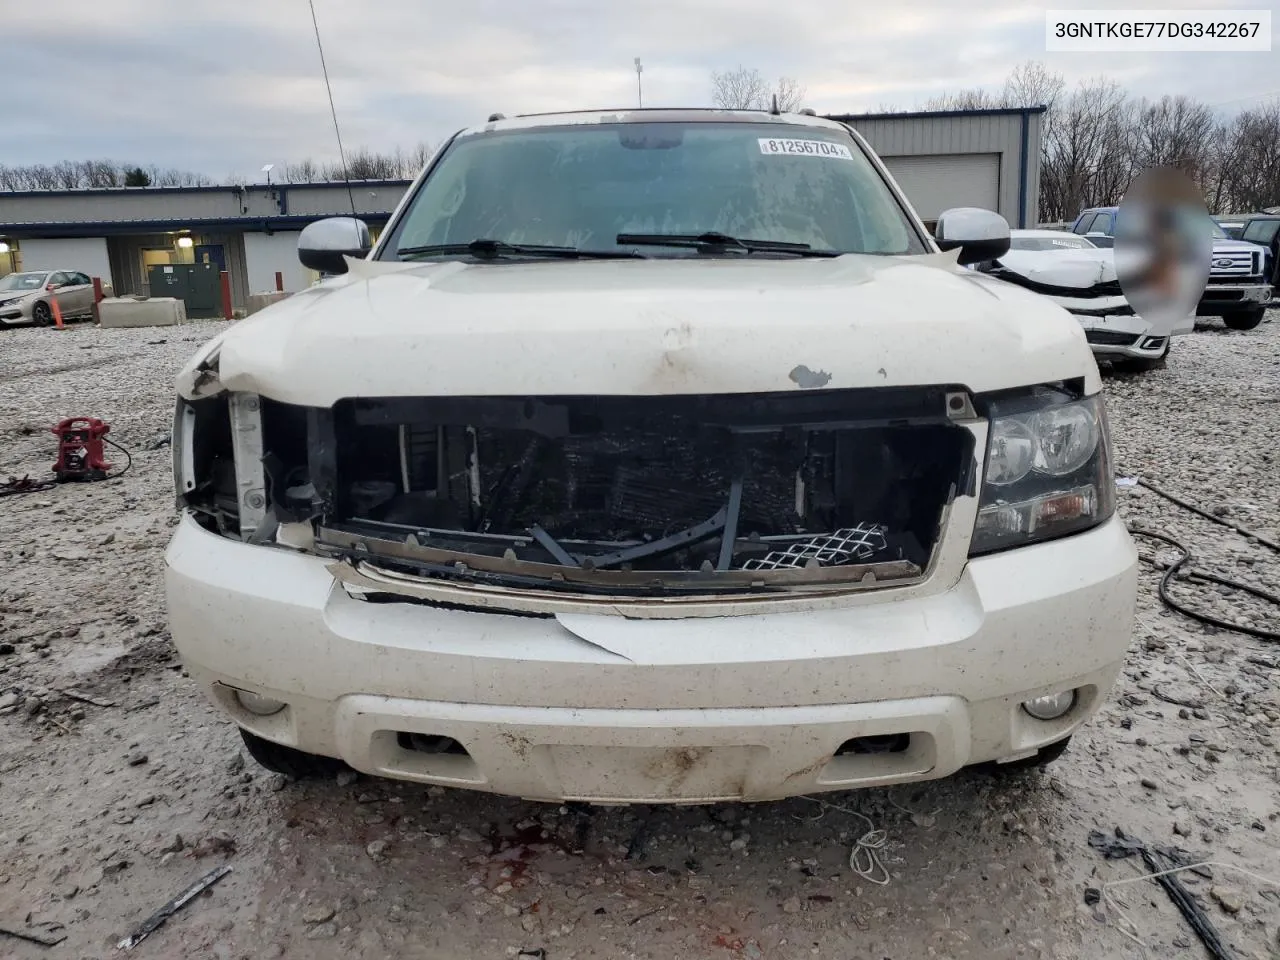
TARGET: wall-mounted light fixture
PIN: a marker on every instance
(4, 247)
(185, 243)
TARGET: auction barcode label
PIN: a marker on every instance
(1104, 31)
(805, 148)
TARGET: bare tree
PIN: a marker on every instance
(1087, 158)
(101, 173)
(976, 99)
(1175, 132)
(1095, 139)
(1252, 143)
(747, 89)
(304, 171)
(418, 157)
(82, 174)
(790, 95)
(1031, 85)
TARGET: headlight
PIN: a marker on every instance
(1048, 470)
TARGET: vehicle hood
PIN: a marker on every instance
(1078, 269)
(643, 327)
(1235, 246)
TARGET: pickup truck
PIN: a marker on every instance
(1264, 230)
(1238, 290)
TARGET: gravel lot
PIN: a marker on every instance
(110, 807)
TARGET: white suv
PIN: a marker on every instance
(651, 456)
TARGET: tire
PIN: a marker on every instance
(1044, 757)
(1245, 319)
(292, 763)
(41, 315)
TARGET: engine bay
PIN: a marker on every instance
(646, 493)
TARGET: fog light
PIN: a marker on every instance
(1051, 707)
(258, 706)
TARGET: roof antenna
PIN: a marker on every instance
(338, 133)
(774, 109)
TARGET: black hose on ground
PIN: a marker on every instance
(1176, 568)
(128, 456)
(16, 485)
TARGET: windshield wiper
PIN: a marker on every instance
(714, 240)
(492, 249)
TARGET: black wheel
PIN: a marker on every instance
(1043, 758)
(41, 314)
(292, 763)
(1245, 319)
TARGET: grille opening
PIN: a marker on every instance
(608, 491)
(879, 744)
(429, 744)
(1111, 338)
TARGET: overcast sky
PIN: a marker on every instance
(222, 88)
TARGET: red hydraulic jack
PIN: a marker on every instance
(80, 449)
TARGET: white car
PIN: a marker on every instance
(651, 457)
(1081, 278)
(29, 297)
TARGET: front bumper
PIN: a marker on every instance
(1126, 335)
(749, 707)
(15, 313)
(1220, 298)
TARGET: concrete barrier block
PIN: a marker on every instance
(259, 300)
(132, 312)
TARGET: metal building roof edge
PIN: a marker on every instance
(98, 228)
(215, 188)
(938, 114)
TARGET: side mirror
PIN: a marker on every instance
(980, 234)
(323, 244)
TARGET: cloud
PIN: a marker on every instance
(221, 89)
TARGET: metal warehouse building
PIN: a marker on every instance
(119, 234)
(961, 158)
(979, 158)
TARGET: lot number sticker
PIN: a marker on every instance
(805, 148)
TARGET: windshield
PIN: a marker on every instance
(1065, 242)
(1218, 232)
(582, 186)
(22, 281)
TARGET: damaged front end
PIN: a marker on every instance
(1090, 296)
(507, 502)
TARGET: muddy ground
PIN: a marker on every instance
(112, 804)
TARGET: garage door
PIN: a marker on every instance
(933, 184)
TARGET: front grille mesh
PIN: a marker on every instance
(848, 545)
(1233, 264)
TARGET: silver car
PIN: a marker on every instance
(28, 297)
